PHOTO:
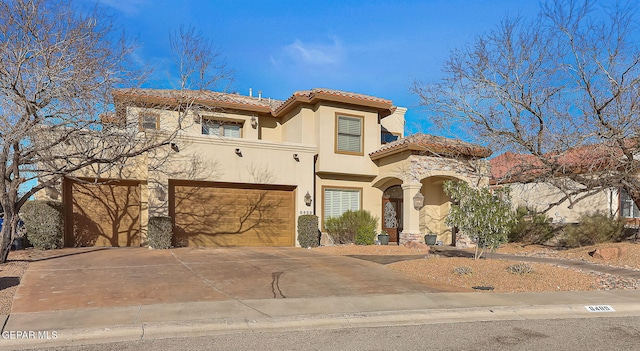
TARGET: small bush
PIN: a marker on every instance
(366, 234)
(529, 228)
(44, 223)
(520, 268)
(160, 232)
(308, 233)
(594, 228)
(350, 224)
(463, 270)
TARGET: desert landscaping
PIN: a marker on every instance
(494, 273)
(458, 272)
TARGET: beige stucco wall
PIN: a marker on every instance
(435, 210)
(371, 197)
(331, 162)
(394, 123)
(537, 197)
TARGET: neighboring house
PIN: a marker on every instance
(243, 168)
(519, 172)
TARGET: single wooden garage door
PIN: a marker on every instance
(224, 214)
(106, 214)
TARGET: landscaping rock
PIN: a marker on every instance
(418, 246)
(326, 240)
(608, 253)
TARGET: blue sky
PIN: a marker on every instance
(371, 47)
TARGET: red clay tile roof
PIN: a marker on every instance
(205, 97)
(316, 94)
(510, 167)
(266, 105)
(432, 144)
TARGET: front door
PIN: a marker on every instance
(392, 217)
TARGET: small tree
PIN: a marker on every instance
(481, 214)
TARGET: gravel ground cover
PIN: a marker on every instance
(494, 273)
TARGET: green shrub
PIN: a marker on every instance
(520, 268)
(366, 234)
(44, 223)
(481, 213)
(160, 232)
(308, 233)
(594, 228)
(344, 229)
(530, 228)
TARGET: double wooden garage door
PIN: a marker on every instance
(204, 213)
(231, 214)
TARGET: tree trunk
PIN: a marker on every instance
(6, 239)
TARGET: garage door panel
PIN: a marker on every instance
(103, 214)
(213, 215)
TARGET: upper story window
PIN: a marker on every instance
(349, 137)
(628, 208)
(387, 137)
(148, 120)
(227, 129)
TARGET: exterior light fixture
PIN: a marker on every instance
(307, 199)
(238, 152)
(160, 193)
(295, 157)
(418, 201)
(254, 122)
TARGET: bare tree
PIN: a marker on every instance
(562, 88)
(60, 65)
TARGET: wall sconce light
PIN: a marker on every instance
(295, 157)
(160, 193)
(238, 152)
(174, 147)
(254, 122)
(418, 201)
(52, 192)
(307, 199)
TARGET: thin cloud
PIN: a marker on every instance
(311, 54)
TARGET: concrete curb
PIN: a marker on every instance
(202, 327)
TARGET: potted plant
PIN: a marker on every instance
(430, 239)
(383, 238)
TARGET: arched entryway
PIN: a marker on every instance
(392, 212)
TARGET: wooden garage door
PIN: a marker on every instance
(223, 214)
(102, 214)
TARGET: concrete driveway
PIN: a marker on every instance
(110, 277)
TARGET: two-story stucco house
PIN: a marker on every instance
(241, 170)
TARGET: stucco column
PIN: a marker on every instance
(410, 216)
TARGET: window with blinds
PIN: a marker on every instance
(338, 201)
(627, 206)
(349, 134)
(148, 120)
(221, 128)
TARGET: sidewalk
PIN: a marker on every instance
(234, 316)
